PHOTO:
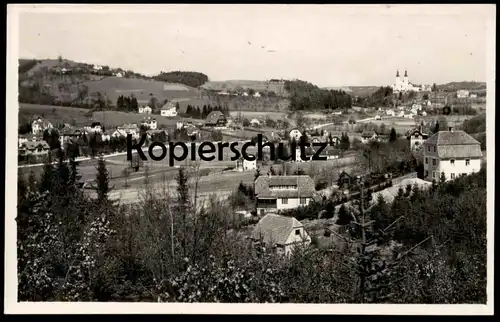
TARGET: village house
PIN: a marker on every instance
(244, 94)
(280, 233)
(35, 148)
(254, 123)
(216, 119)
(275, 193)
(390, 112)
(471, 95)
(337, 113)
(22, 138)
(144, 110)
(68, 135)
(95, 127)
(39, 125)
(329, 152)
(462, 93)
(295, 134)
(245, 165)
(453, 153)
(416, 138)
(257, 94)
(150, 123)
(106, 136)
(368, 136)
(119, 133)
(408, 116)
(168, 110)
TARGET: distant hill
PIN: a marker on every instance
(362, 91)
(65, 82)
(469, 86)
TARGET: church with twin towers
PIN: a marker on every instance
(404, 84)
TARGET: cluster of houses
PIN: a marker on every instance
(447, 154)
(244, 94)
(33, 143)
(409, 112)
(462, 93)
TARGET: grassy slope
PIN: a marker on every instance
(112, 86)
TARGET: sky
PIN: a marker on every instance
(328, 45)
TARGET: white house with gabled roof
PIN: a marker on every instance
(453, 153)
(283, 234)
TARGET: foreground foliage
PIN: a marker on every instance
(74, 248)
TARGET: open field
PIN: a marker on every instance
(259, 115)
(112, 87)
(80, 116)
(54, 114)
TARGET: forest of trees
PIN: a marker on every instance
(127, 103)
(306, 96)
(193, 79)
(78, 247)
(197, 113)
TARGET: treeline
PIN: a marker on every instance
(193, 79)
(383, 97)
(127, 103)
(197, 113)
(25, 65)
(306, 96)
(75, 247)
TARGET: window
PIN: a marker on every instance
(303, 201)
(433, 174)
(426, 161)
(297, 231)
(434, 148)
(429, 148)
(433, 161)
(467, 161)
(426, 173)
(284, 201)
(452, 162)
(452, 176)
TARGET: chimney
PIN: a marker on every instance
(450, 129)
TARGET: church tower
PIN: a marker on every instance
(405, 79)
(398, 81)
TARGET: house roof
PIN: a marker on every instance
(274, 229)
(168, 106)
(368, 134)
(455, 144)
(128, 127)
(32, 145)
(304, 183)
(214, 116)
(415, 131)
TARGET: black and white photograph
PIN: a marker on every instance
(189, 156)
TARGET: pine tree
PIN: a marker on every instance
(436, 127)
(393, 136)
(32, 184)
(102, 180)
(442, 178)
(47, 180)
(344, 217)
(257, 174)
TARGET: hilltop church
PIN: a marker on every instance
(403, 85)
